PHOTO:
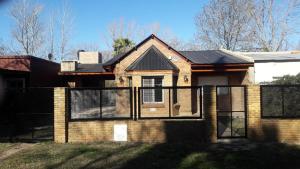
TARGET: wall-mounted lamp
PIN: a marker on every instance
(185, 78)
(121, 79)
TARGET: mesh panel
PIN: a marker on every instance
(291, 101)
(280, 101)
(100, 103)
(271, 101)
(85, 104)
(170, 102)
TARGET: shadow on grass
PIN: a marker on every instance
(275, 156)
(96, 155)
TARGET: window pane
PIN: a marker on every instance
(147, 82)
(148, 95)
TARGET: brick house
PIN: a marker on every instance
(154, 62)
(234, 108)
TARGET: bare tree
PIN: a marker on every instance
(28, 30)
(66, 27)
(2, 48)
(135, 32)
(121, 29)
(274, 22)
(51, 37)
(224, 23)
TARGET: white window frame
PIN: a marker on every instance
(153, 79)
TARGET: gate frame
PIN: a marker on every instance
(245, 112)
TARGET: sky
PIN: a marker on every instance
(91, 17)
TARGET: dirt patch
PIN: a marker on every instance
(14, 149)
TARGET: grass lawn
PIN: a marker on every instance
(151, 156)
(6, 146)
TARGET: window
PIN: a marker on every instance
(280, 101)
(152, 95)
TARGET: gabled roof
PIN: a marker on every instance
(152, 59)
(213, 57)
(119, 57)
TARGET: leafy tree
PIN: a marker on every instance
(121, 45)
(287, 80)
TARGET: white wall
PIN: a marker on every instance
(264, 72)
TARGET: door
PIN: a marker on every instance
(231, 112)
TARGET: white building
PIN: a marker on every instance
(268, 66)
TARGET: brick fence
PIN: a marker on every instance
(274, 130)
(159, 130)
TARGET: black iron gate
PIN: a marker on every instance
(231, 112)
(26, 114)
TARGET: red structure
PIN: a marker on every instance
(28, 71)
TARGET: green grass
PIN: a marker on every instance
(149, 156)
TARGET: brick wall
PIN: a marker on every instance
(139, 131)
(60, 115)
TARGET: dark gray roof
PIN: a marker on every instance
(90, 68)
(152, 59)
(212, 57)
(113, 59)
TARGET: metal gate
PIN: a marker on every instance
(26, 115)
(231, 112)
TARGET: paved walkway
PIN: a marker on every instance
(14, 149)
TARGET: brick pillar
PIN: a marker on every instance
(60, 115)
(254, 119)
(210, 112)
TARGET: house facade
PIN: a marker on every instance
(152, 62)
